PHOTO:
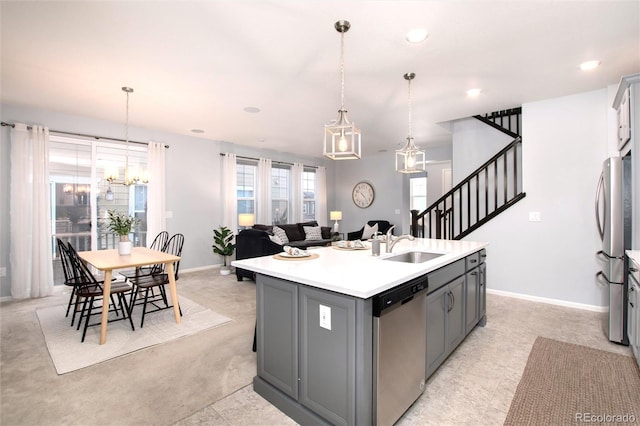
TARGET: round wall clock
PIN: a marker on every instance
(363, 194)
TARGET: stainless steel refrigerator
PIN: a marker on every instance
(613, 217)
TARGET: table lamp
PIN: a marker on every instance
(246, 220)
(335, 215)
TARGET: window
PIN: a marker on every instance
(280, 194)
(308, 194)
(79, 200)
(281, 190)
(246, 186)
(418, 192)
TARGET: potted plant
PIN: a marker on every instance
(223, 245)
(122, 224)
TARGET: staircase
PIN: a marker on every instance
(485, 193)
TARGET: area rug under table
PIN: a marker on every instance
(565, 384)
(69, 354)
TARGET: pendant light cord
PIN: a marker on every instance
(342, 70)
(126, 137)
(409, 108)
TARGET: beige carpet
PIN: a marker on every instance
(69, 354)
(566, 384)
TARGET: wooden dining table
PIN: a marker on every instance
(109, 260)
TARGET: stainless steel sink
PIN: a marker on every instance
(414, 257)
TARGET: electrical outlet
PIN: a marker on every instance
(325, 317)
(534, 217)
(3, 272)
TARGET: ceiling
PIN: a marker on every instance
(199, 65)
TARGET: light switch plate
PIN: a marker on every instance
(325, 317)
(534, 217)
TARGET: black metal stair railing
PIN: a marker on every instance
(485, 193)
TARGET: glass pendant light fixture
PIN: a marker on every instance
(342, 137)
(410, 159)
(132, 176)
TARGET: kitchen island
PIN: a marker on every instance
(329, 329)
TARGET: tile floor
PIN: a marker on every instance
(476, 383)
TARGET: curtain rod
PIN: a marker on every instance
(222, 154)
(12, 125)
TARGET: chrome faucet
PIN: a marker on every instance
(392, 241)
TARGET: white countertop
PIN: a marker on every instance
(358, 273)
(635, 255)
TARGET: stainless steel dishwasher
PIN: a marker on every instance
(399, 355)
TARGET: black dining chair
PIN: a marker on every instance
(159, 242)
(156, 302)
(69, 277)
(89, 291)
(67, 270)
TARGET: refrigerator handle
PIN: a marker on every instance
(601, 280)
(600, 190)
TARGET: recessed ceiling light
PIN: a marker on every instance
(589, 65)
(472, 93)
(417, 35)
(197, 131)
(252, 110)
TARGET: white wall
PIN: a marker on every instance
(434, 180)
(564, 145)
(391, 192)
(473, 143)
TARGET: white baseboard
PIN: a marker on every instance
(201, 268)
(584, 307)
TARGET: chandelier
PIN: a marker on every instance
(132, 175)
(410, 159)
(342, 137)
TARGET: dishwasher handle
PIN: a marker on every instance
(408, 299)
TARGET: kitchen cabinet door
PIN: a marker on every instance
(328, 354)
(277, 333)
(482, 294)
(455, 316)
(437, 306)
(623, 115)
(472, 293)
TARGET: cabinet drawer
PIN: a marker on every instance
(446, 274)
(472, 261)
(475, 259)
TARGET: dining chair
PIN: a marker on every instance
(158, 243)
(90, 291)
(67, 270)
(157, 280)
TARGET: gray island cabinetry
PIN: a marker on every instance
(319, 327)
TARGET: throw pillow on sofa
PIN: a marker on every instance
(282, 236)
(369, 231)
(275, 239)
(293, 231)
(312, 233)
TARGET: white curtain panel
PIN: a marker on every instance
(263, 196)
(296, 191)
(30, 245)
(229, 192)
(156, 199)
(321, 196)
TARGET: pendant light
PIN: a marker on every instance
(342, 137)
(410, 159)
(131, 176)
